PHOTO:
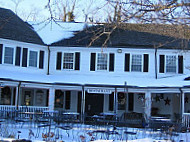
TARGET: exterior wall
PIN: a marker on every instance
(85, 61)
(186, 63)
(85, 53)
(33, 47)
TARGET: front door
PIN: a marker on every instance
(94, 104)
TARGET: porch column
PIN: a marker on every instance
(17, 95)
(83, 105)
(115, 101)
(0, 94)
(16, 98)
(51, 98)
(147, 105)
(182, 103)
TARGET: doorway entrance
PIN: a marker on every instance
(94, 104)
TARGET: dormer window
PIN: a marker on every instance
(102, 61)
(68, 61)
(33, 58)
(8, 57)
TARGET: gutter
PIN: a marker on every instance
(48, 60)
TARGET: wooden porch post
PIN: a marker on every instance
(0, 94)
(17, 95)
(182, 103)
(51, 98)
(83, 105)
(147, 108)
(115, 101)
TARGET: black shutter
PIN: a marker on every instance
(127, 62)
(67, 99)
(77, 61)
(93, 62)
(162, 64)
(18, 54)
(130, 101)
(24, 57)
(146, 61)
(1, 53)
(59, 57)
(180, 64)
(41, 62)
(111, 101)
(111, 63)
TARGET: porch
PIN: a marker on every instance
(131, 105)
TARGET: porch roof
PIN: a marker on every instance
(95, 80)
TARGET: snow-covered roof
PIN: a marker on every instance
(53, 31)
(176, 81)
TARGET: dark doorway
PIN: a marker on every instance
(130, 101)
(94, 104)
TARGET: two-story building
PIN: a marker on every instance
(138, 71)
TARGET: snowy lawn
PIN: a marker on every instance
(84, 133)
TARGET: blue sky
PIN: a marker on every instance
(38, 6)
(26, 6)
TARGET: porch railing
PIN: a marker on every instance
(7, 111)
(186, 119)
(32, 109)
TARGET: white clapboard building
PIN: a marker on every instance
(65, 67)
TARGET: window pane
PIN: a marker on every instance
(171, 64)
(102, 61)
(8, 58)
(68, 61)
(136, 63)
(33, 59)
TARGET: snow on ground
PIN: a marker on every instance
(84, 133)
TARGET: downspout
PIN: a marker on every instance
(18, 95)
(156, 67)
(48, 60)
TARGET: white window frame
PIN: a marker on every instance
(101, 66)
(33, 60)
(12, 56)
(141, 63)
(166, 64)
(68, 62)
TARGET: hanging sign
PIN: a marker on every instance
(99, 91)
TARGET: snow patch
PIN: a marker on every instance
(54, 31)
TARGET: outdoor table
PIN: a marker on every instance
(71, 115)
(159, 122)
(32, 115)
(108, 116)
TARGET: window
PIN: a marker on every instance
(68, 60)
(102, 61)
(8, 58)
(136, 63)
(171, 64)
(33, 58)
